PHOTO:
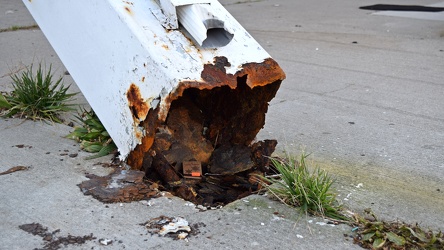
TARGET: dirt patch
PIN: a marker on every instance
(51, 240)
(22, 146)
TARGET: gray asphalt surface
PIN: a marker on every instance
(363, 94)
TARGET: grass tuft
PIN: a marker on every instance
(36, 97)
(299, 187)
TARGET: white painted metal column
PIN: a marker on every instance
(111, 46)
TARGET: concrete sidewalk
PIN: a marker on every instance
(363, 93)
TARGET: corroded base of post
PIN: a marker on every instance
(214, 123)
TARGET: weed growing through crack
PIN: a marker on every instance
(37, 97)
(299, 187)
(92, 135)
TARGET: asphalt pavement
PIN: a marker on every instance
(363, 94)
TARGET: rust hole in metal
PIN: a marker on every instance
(137, 105)
(216, 128)
(213, 124)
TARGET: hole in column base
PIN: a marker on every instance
(215, 128)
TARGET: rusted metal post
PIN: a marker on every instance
(180, 78)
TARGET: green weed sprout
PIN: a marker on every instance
(92, 135)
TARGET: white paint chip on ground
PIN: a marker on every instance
(105, 242)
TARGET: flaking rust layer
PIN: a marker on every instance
(200, 116)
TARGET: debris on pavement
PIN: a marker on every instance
(105, 242)
(209, 126)
(119, 186)
(22, 146)
(379, 234)
(176, 224)
(14, 169)
(176, 227)
(229, 173)
(51, 240)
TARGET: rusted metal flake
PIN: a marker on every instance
(261, 74)
(258, 74)
(260, 154)
(138, 106)
(215, 75)
(119, 186)
(136, 157)
(165, 170)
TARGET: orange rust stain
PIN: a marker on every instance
(165, 46)
(135, 159)
(261, 74)
(258, 74)
(138, 107)
(128, 10)
(215, 75)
